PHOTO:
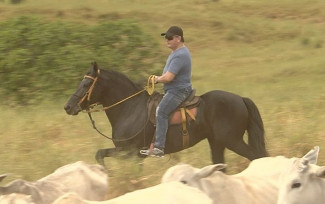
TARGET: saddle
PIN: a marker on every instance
(187, 111)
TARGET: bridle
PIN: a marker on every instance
(150, 87)
(90, 107)
(90, 90)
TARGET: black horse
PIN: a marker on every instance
(222, 118)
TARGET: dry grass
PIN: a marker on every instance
(270, 51)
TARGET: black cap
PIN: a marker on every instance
(172, 31)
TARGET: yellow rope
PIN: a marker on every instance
(151, 84)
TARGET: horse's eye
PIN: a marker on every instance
(295, 185)
(87, 84)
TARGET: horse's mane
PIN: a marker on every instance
(108, 73)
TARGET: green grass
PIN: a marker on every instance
(270, 51)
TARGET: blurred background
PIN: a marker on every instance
(270, 51)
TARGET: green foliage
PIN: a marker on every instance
(12, 1)
(40, 59)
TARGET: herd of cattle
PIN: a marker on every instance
(269, 180)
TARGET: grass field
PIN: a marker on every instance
(270, 51)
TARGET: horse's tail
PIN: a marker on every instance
(255, 129)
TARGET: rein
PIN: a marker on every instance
(150, 87)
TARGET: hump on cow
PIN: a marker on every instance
(89, 181)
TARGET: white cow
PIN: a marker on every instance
(303, 182)
(87, 180)
(15, 198)
(257, 184)
(166, 193)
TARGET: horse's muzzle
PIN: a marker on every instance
(71, 110)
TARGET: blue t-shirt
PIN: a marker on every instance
(179, 63)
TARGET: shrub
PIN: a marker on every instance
(40, 58)
(12, 1)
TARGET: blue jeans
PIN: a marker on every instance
(171, 100)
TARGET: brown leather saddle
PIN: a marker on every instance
(187, 111)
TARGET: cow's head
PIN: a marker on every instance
(303, 181)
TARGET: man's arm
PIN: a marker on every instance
(165, 78)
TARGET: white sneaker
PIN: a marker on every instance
(145, 152)
(156, 152)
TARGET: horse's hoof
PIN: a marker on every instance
(101, 162)
(99, 158)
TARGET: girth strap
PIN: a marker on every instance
(190, 114)
(184, 132)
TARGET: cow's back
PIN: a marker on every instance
(15, 198)
(90, 181)
(166, 193)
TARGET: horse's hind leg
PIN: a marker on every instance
(241, 148)
(217, 151)
(232, 139)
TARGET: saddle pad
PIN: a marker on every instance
(175, 118)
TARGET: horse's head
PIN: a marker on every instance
(83, 97)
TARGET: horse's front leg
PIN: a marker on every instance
(127, 151)
(109, 152)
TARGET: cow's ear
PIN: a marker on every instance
(312, 155)
(208, 170)
(320, 172)
(2, 176)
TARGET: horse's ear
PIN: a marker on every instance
(94, 66)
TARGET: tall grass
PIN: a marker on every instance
(270, 51)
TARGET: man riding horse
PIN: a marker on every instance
(176, 78)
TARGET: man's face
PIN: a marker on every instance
(173, 41)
